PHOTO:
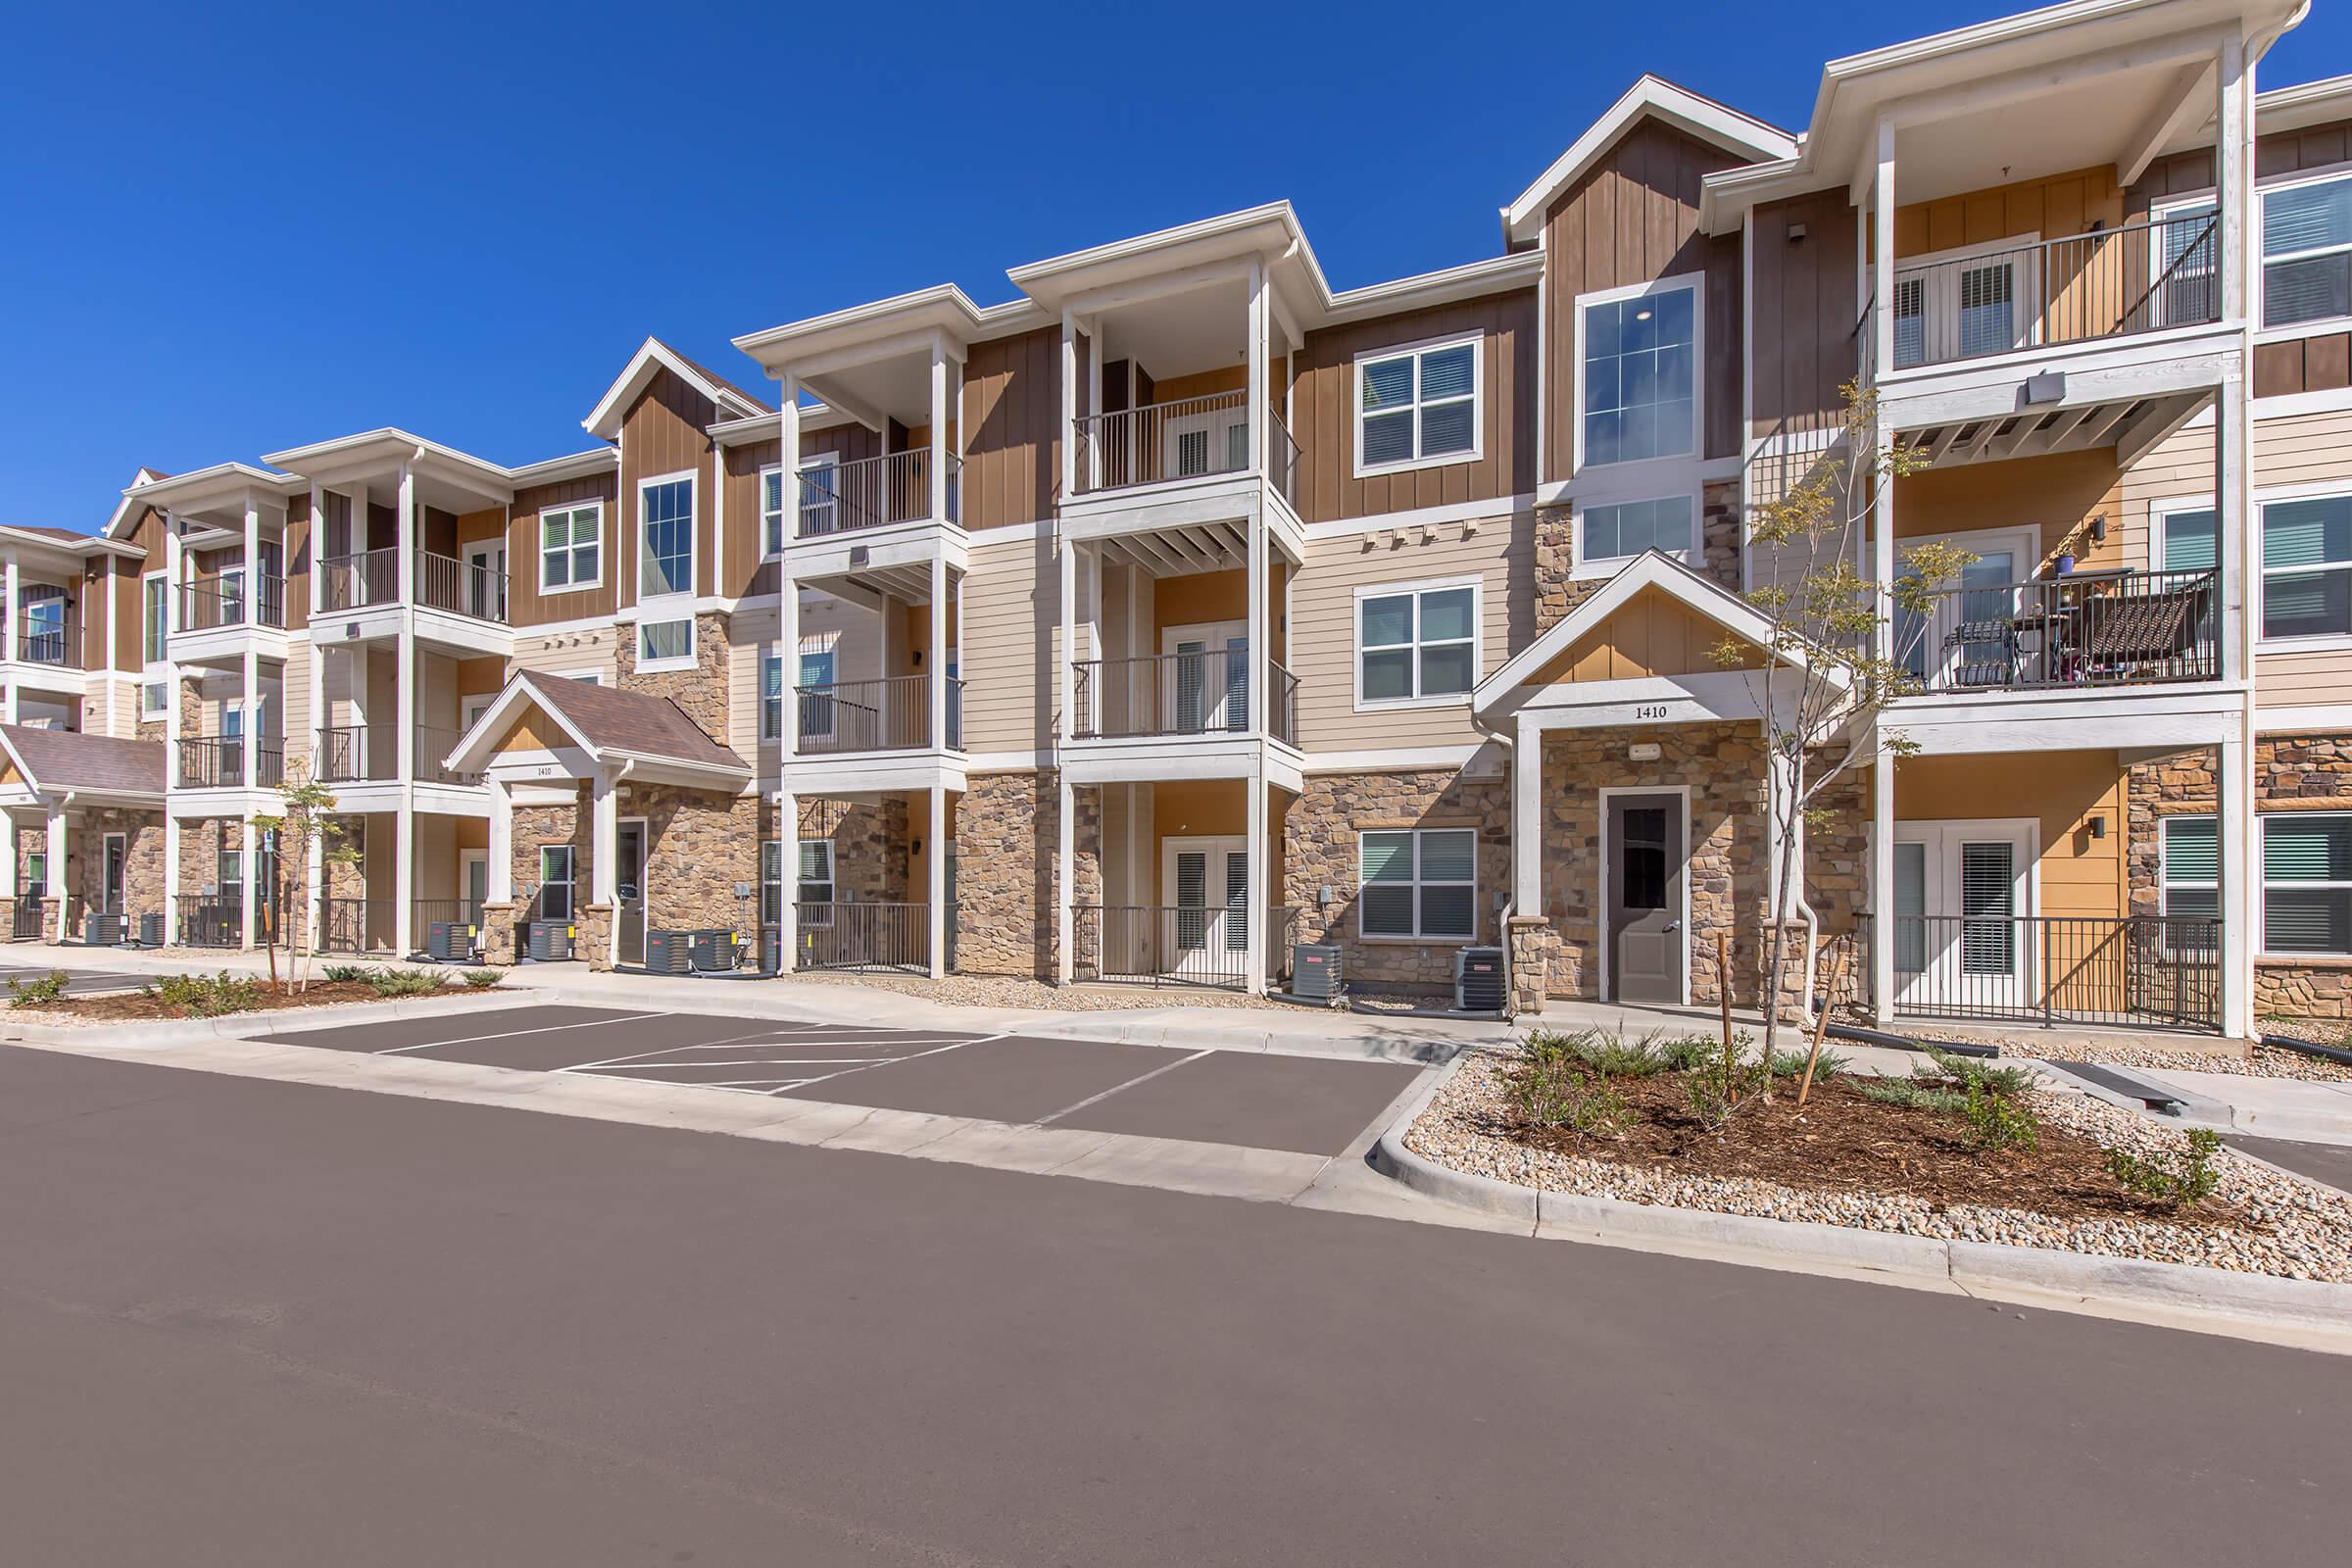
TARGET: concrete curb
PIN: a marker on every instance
(168, 1033)
(2216, 1301)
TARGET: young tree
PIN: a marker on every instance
(1825, 682)
(306, 807)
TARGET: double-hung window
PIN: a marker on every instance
(2306, 568)
(817, 694)
(570, 540)
(771, 511)
(1419, 882)
(1620, 530)
(1640, 373)
(665, 535)
(555, 882)
(155, 623)
(2186, 257)
(154, 699)
(1418, 406)
(2307, 882)
(772, 881)
(772, 697)
(2190, 858)
(1416, 642)
(820, 496)
(814, 890)
(665, 644)
(2307, 251)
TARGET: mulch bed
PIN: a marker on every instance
(1847, 1143)
(135, 1007)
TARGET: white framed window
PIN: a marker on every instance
(2307, 883)
(572, 547)
(2307, 251)
(154, 699)
(665, 644)
(814, 884)
(1417, 642)
(2188, 879)
(2306, 576)
(1967, 301)
(772, 881)
(1639, 353)
(36, 872)
(1418, 884)
(2183, 535)
(155, 618)
(2184, 263)
(820, 495)
(555, 882)
(1419, 406)
(1610, 534)
(665, 535)
(772, 697)
(815, 694)
(771, 512)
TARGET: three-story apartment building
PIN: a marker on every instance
(1182, 607)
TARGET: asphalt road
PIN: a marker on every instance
(252, 1323)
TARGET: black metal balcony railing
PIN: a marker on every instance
(210, 921)
(360, 580)
(890, 714)
(217, 762)
(342, 757)
(354, 754)
(355, 925)
(1201, 693)
(228, 602)
(873, 493)
(864, 936)
(27, 922)
(2135, 970)
(434, 743)
(44, 637)
(1175, 945)
(2113, 628)
(460, 587)
(2116, 282)
(1189, 438)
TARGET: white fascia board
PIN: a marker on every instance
(2310, 103)
(571, 465)
(818, 416)
(1724, 127)
(651, 355)
(943, 308)
(129, 507)
(471, 755)
(1051, 280)
(1495, 274)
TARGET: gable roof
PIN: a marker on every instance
(1703, 595)
(654, 356)
(609, 724)
(98, 765)
(1727, 127)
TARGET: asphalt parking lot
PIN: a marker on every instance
(1304, 1104)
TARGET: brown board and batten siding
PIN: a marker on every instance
(1323, 398)
(526, 606)
(745, 569)
(2322, 361)
(1012, 414)
(1806, 311)
(130, 602)
(664, 432)
(1632, 218)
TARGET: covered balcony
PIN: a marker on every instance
(475, 588)
(1166, 888)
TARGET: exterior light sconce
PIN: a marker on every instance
(2098, 825)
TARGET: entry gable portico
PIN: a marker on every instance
(549, 727)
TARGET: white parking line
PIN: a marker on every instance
(916, 1055)
(510, 1034)
(1145, 1078)
(765, 1037)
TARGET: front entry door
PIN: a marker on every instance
(1962, 896)
(117, 863)
(629, 864)
(1647, 945)
(1205, 677)
(1207, 881)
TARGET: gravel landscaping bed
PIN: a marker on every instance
(2258, 1220)
(2264, 1062)
(1006, 991)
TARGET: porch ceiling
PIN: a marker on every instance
(2130, 425)
(1180, 552)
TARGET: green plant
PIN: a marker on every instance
(338, 972)
(1555, 1083)
(2177, 1181)
(1973, 1072)
(1912, 1094)
(1682, 1055)
(1721, 1079)
(196, 996)
(1601, 1109)
(403, 982)
(49, 987)
(483, 979)
(1998, 1121)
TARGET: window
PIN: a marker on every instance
(665, 532)
(2307, 568)
(816, 883)
(772, 697)
(229, 869)
(1419, 883)
(2186, 540)
(2186, 257)
(817, 694)
(2307, 883)
(2190, 881)
(1418, 406)
(36, 872)
(820, 495)
(555, 882)
(771, 511)
(1627, 528)
(156, 617)
(569, 539)
(1416, 642)
(772, 881)
(152, 698)
(2307, 251)
(1641, 374)
(665, 644)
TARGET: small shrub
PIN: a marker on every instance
(1609, 1056)
(2177, 1181)
(343, 973)
(49, 987)
(1973, 1072)
(1997, 1121)
(483, 979)
(1912, 1094)
(403, 982)
(196, 996)
(1682, 1055)
(1601, 1110)
(1556, 1084)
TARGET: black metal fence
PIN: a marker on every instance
(355, 925)
(209, 920)
(1164, 945)
(864, 936)
(1201, 693)
(27, 924)
(2140, 971)
(213, 761)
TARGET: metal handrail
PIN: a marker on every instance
(1170, 944)
(881, 935)
(890, 714)
(2105, 628)
(1134, 446)
(207, 606)
(217, 762)
(2051, 969)
(360, 580)
(1203, 693)
(460, 587)
(434, 743)
(873, 493)
(55, 643)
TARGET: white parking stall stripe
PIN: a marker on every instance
(1144, 1078)
(510, 1034)
(916, 1055)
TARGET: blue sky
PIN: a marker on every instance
(232, 229)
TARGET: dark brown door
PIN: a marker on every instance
(629, 866)
(1647, 945)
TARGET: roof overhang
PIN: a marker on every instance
(373, 453)
(2298, 108)
(222, 487)
(86, 544)
(1650, 97)
(571, 465)
(127, 511)
(653, 357)
(34, 791)
(474, 751)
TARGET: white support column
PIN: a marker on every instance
(403, 707)
(171, 908)
(1066, 723)
(8, 632)
(788, 612)
(1882, 293)
(314, 698)
(1256, 917)
(1882, 337)
(788, 877)
(2241, 905)
(1882, 887)
(2233, 155)
(1069, 405)
(936, 689)
(1257, 354)
(1526, 819)
(604, 850)
(935, 863)
(313, 879)
(1259, 646)
(404, 878)
(499, 887)
(404, 536)
(53, 863)
(1065, 871)
(956, 445)
(249, 867)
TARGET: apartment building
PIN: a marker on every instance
(1182, 608)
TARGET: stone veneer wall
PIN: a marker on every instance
(1322, 849)
(535, 825)
(698, 845)
(1558, 591)
(1007, 829)
(701, 692)
(870, 848)
(142, 859)
(2292, 772)
(1723, 764)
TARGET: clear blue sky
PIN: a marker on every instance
(232, 229)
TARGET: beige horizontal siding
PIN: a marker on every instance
(852, 632)
(571, 654)
(1011, 637)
